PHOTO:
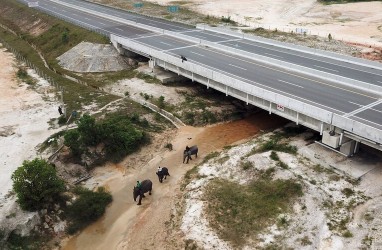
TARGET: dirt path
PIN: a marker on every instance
(126, 225)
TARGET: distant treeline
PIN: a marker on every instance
(347, 1)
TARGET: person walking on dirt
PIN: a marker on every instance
(60, 110)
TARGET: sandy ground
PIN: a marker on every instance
(24, 113)
(153, 225)
(354, 22)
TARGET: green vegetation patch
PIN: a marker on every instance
(117, 132)
(32, 242)
(88, 207)
(36, 184)
(238, 212)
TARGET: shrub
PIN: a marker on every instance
(62, 120)
(274, 156)
(36, 184)
(87, 208)
(169, 146)
(22, 73)
(117, 133)
(246, 165)
(72, 140)
(161, 103)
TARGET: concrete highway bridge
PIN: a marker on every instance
(337, 95)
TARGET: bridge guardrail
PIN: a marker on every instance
(274, 62)
(358, 128)
(301, 107)
(300, 69)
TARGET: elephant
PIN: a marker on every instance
(190, 151)
(146, 186)
(163, 174)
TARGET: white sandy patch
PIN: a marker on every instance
(25, 113)
(314, 220)
(356, 22)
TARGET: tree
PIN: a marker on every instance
(36, 184)
(161, 103)
(89, 131)
(72, 140)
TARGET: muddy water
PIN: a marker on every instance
(126, 225)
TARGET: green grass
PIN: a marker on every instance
(190, 174)
(210, 156)
(51, 45)
(237, 212)
(246, 165)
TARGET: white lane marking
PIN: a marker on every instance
(309, 56)
(376, 110)
(271, 88)
(119, 29)
(364, 108)
(269, 54)
(74, 14)
(87, 18)
(291, 84)
(198, 36)
(325, 68)
(181, 47)
(145, 36)
(231, 40)
(95, 27)
(196, 53)
(355, 103)
(102, 23)
(379, 81)
(167, 43)
(237, 66)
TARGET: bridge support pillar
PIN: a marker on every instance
(340, 142)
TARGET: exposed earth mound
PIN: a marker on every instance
(88, 57)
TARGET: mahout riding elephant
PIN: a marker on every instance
(146, 186)
(162, 174)
(190, 151)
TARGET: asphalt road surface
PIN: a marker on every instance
(321, 93)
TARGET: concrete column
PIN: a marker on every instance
(270, 108)
(208, 83)
(322, 128)
(341, 138)
(297, 118)
(356, 147)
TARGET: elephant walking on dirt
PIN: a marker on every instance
(146, 186)
(190, 151)
(162, 173)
